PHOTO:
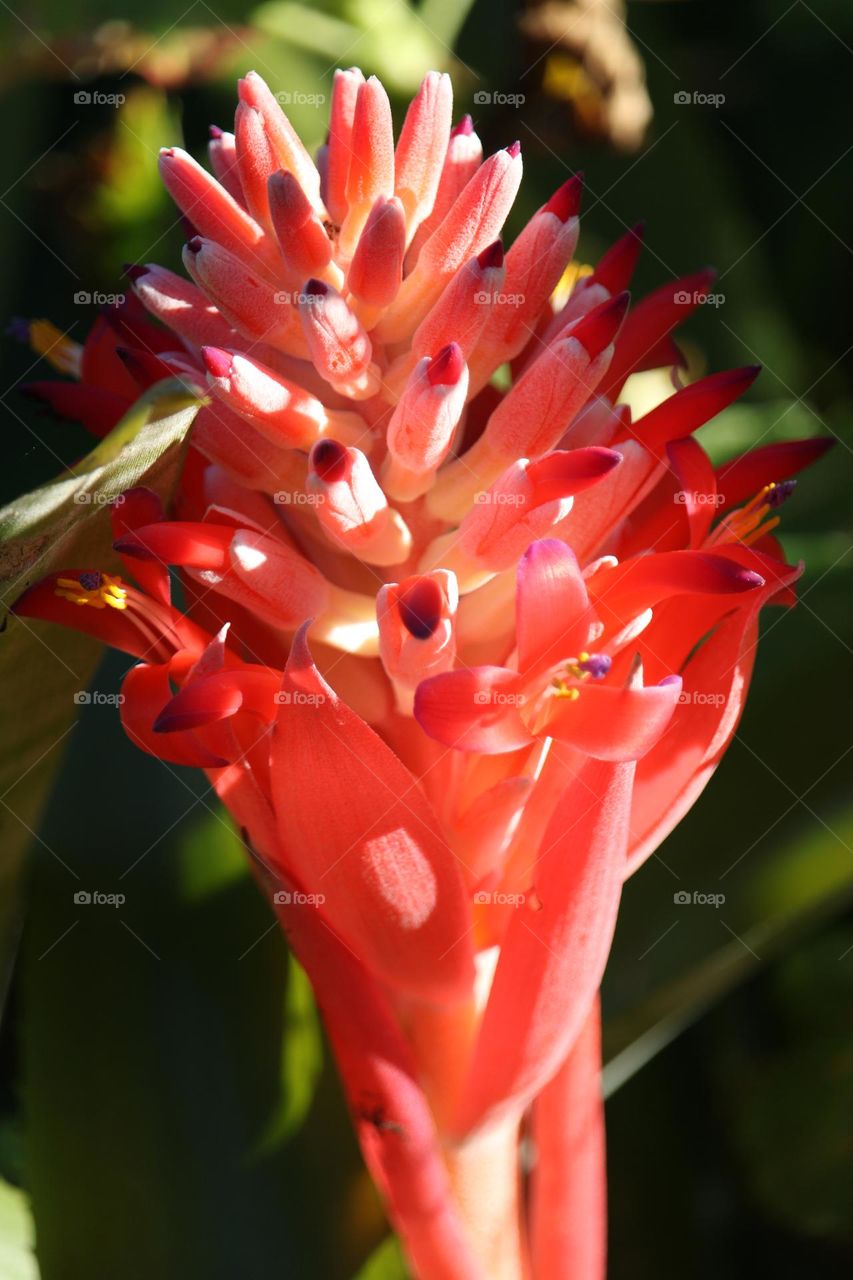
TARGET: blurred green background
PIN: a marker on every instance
(166, 1107)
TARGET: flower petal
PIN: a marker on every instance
(355, 826)
(475, 709)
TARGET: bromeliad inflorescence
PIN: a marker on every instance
(461, 641)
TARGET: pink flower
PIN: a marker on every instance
(457, 653)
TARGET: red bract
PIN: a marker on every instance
(455, 657)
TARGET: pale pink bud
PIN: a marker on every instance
(215, 213)
(339, 145)
(462, 159)
(534, 414)
(302, 238)
(376, 271)
(285, 413)
(247, 302)
(286, 145)
(337, 341)
(421, 428)
(222, 154)
(180, 305)
(422, 147)
(534, 265)
(416, 626)
(351, 506)
(371, 168)
(256, 160)
(474, 222)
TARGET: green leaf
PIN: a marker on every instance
(17, 1261)
(65, 523)
(385, 1263)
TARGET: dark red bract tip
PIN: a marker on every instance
(492, 255)
(616, 266)
(215, 131)
(217, 362)
(195, 244)
(134, 270)
(315, 288)
(464, 128)
(514, 149)
(598, 329)
(566, 200)
(328, 459)
(421, 605)
(445, 368)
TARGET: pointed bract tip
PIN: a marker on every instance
(445, 368)
(195, 244)
(215, 131)
(566, 200)
(514, 149)
(328, 459)
(134, 271)
(464, 128)
(599, 327)
(492, 255)
(166, 153)
(217, 362)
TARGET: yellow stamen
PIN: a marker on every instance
(58, 349)
(108, 591)
(574, 272)
(748, 524)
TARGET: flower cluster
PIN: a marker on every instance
(461, 641)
